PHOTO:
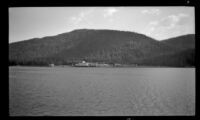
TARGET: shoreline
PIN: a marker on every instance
(64, 66)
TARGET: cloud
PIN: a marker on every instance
(153, 23)
(151, 11)
(90, 16)
(81, 17)
(151, 27)
(171, 25)
(172, 21)
(109, 12)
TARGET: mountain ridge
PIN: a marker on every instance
(109, 46)
(181, 42)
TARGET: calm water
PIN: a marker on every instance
(40, 91)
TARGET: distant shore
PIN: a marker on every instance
(123, 66)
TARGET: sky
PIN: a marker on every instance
(157, 22)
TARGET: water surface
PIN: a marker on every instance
(72, 91)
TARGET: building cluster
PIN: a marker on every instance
(90, 64)
(95, 64)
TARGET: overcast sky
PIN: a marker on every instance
(157, 22)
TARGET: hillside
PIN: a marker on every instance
(184, 58)
(108, 46)
(182, 42)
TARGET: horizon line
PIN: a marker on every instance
(97, 29)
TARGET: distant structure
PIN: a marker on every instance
(83, 61)
(51, 65)
(91, 64)
(117, 65)
(82, 64)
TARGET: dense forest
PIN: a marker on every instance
(104, 46)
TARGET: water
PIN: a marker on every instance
(69, 91)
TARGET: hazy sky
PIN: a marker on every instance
(156, 22)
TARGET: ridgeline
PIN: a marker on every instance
(104, 46)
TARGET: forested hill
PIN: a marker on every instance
(182, 42)
(108, 46)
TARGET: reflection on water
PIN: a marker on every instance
(71, 91)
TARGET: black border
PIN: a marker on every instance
(96, 3)
(62, 3)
